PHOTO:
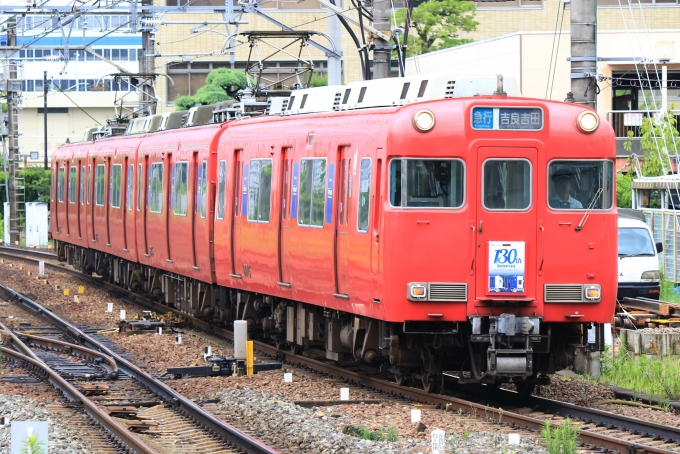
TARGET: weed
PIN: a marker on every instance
(32, 445)
(466, 434)
(665, 404)
(448, 406)
(560, 439)
(366, 434)
(565, 378)
(392, 434)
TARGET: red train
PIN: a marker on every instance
(385, 222)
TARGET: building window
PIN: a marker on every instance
(511, 4)
(156, 188)
(99, 181)
(221, 189)
(180, 195)
(312, 192)
(115, 180)
(259, 190)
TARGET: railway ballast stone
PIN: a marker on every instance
(62, 438)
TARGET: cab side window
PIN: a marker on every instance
(576, 185)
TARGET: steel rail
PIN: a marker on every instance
(31, 252)
(590, 439)
(211, 422)
(120, 433)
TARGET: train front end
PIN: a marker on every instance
(501, 226)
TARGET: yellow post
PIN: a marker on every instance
(249, 358)
(66, 292)
(81, 290)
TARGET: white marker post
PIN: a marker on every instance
(159, 331)
(109, 307)
(416, 415)
(438, 441)
(207, 351)
(513, 439)
(41, 268)
(178, 339)
(288, 377)
(122, 314)
(344, 393)
(240, 339)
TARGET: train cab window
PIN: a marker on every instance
(139, 187)
(60, 183)
(72, 184)
(431, 183)
(180, 197)
(577, 185)
(364, 199)
(156, 188)
(221, 188)
(115, 180)
(129, 186)
(99, 181)
(312, 192)
(202, 189)
(82, 185)
(259, 190)
(506, 184)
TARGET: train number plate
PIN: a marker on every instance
(507, 118)
(506, 267)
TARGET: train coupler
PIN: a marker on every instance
(516, 363)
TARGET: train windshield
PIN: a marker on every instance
(433, 183)
(635, 242)
(580, 185)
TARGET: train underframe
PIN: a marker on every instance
(490, 350)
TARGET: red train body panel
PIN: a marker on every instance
(357, 212)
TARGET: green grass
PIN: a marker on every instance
(654, 376)
(560, 439)
(668, 290)
(365, 434)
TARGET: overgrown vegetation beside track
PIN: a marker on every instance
(658, 376)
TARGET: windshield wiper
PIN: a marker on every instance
(580, 225)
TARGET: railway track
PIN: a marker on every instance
(141, 413)
(599, 430)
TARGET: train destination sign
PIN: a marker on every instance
(504, 118)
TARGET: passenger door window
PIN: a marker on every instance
(312, 193)
(180, 187)
(364, 198)
(115, 183)
(259, 190)
(99, 182)
(221, 189)
(506, 185)
(72, 184)
(60, 184)
(156, 188)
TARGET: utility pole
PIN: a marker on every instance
(147, 65)
(13, 89)
(45, 113)
(382, 48)
(584, 52)
(334, 62)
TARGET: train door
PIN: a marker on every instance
(239, 211)
(375, 227)
(284, 217)
(506, 224)
(146, 174)
(342, 222)
(81, 196)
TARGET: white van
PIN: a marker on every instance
(638, 261)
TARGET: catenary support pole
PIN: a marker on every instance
(584, 52)
(334, 61)
(45, 90)
(381, 47)
(12, 132)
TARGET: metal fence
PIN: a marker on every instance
(630, 120)
(665, 225)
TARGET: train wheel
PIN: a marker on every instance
(525, 388)
(400, 379)
(295, 348)
(430, 383)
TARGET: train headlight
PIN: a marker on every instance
(417, 292)
(650, 275)
(588, 121)
(423, 120)
(592, 292)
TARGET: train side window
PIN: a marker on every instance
(82, 185)
(116, 180)
(427, 183)
(259, 190)
(577, 185)
(506, 184)
(89, 182)
(156, 188)
(60, 184)
(139, 187)
(129, 186)
(364, 199)
(99, 181)
(312, 192)
(180, 199)
(72, 184)
(201, 188)
(221, 188)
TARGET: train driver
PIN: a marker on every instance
(563, 198)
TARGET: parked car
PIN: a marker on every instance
(638, 260)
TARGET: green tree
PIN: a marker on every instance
(319, 81)
(437, 24)
(220, 85)
(623, 191)
(658, 139)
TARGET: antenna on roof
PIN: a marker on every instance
(499, 86)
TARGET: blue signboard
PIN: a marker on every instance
(507, 118)
(329, 194)
(293, 203)
(244, 197)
